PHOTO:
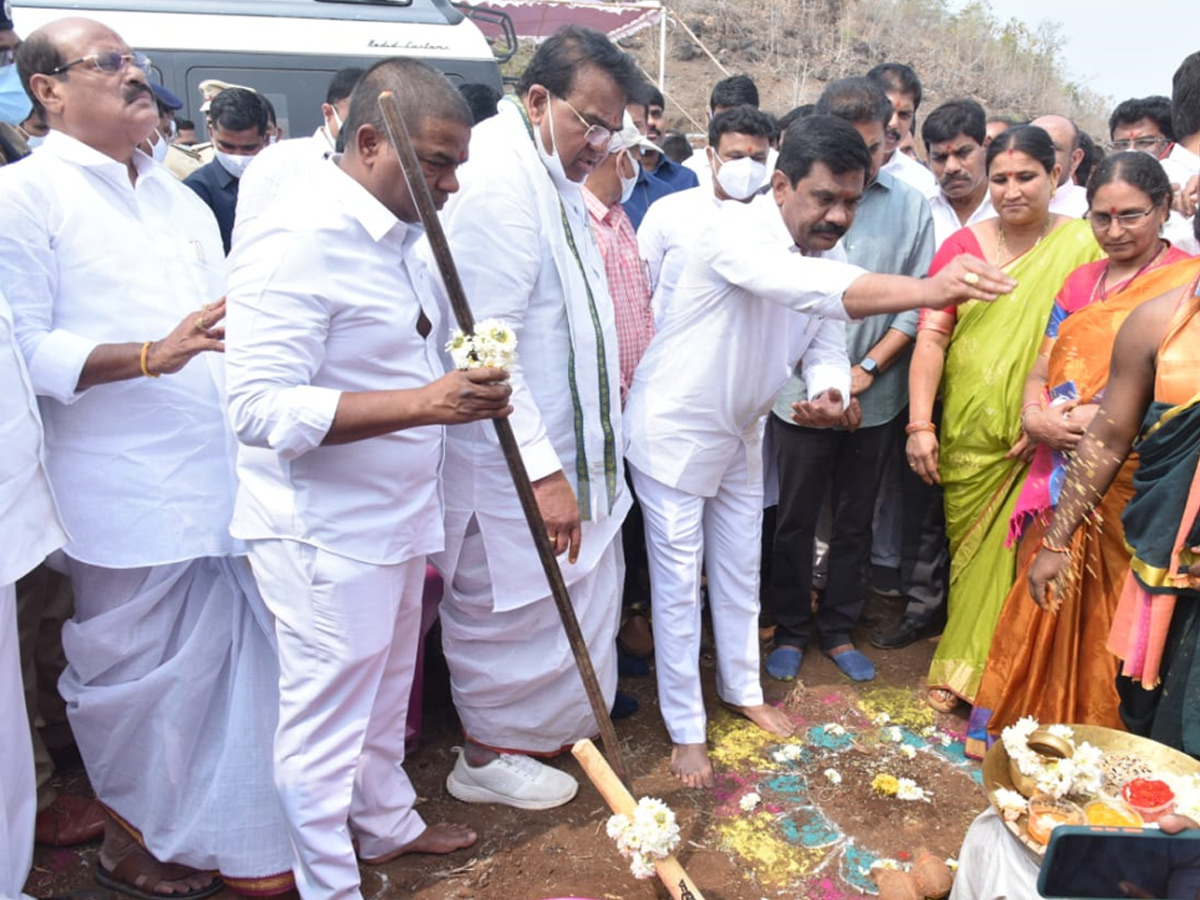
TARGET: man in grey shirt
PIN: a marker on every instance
(892, 234)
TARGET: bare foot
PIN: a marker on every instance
(768, 718)
(124, 864)
(444, 837)
(690, 764)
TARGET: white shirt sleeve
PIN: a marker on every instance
(652, 243)
(499, 268)
(281, 345)
(743, 252)
(825, 363)
(29, 272)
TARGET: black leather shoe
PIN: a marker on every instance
(907, 631)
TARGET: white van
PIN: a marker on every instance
(285, 49)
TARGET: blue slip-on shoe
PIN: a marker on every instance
(854, 665)
(783, 663)
(623, 706)
(630, 666)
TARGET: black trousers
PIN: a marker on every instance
(851, 465)
(925, 550)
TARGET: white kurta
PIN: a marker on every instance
(747, 307)
(143, 468)
(325, 297)
(667, 235)
(508, 228)
(280, 170)
(166, 619)
(31, 530)
(729, 342)
(945, 217)
(912, 173)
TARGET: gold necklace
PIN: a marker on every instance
(1002, 244)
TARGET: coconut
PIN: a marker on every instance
(896, 885)
(934, 877)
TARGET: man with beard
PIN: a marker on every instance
(903, 88)
(955, 135)
(765, 285)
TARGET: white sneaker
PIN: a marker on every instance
(511, 779)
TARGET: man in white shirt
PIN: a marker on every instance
(1070, 199)
(700, 395)
(956, 136)
(520, 235)
(31, 531)
(739, 141)
(114, 271)
(736, 90)
(337, 393)
(903, 88)
(281, 167)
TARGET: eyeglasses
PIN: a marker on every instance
(1101, 221)
(109, 63)
(1144, 144)
(597, 136)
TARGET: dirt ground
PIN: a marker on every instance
(810, 835)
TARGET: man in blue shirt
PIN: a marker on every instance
(646, 108)
(238, 127)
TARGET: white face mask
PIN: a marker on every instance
(550, 158)
(233, 164)
(627, 184)
(741, 179)
(158, 149)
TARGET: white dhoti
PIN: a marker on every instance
(18, 795)
(512, 674)
(171, 691)
(722, 532)
(347, 633)
(993, 865)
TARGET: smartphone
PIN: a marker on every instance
(1108, 863)
(1061, 393)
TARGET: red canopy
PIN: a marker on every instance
(538, 19)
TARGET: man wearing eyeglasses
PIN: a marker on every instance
(114, 271)
(519, 231)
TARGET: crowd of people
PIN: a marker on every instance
(752, 383)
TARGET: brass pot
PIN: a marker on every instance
(1048, 747)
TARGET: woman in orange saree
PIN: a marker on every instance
(1055, 667)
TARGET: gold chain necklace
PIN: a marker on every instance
(1002, 244)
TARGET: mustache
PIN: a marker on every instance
(954, 179)
(828, 228)
(131, 92)
(892, 133)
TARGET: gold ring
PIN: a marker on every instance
(971, 278)
(201, 324)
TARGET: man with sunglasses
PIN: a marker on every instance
(114, 271)
(519, 231)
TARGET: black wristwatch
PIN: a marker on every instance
(869, 366)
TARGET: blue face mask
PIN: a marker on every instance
(15, 105)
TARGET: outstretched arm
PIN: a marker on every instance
(1106, 444)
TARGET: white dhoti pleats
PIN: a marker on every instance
(18, 794)
(347, 635)
(721, 532)
(171, 691)
(512, 674)
(992, 863)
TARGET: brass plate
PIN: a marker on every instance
(1164, 759)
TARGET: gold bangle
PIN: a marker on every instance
(1049, 546)
(914, 427)
(146, 369)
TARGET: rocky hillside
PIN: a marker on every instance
(793, 47)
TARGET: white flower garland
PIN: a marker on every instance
(1078, 774)
(492, 345)
(650, 833)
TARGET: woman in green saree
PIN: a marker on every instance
(979, 354)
